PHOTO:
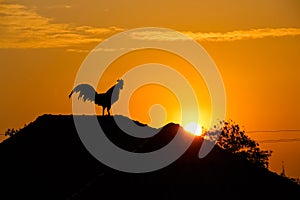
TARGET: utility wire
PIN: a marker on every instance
(277, 140)
(280, 140)
(270, 131)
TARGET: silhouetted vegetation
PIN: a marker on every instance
(11, 132)
(296, 180)
(234, 139)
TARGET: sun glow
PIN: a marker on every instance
(193, 128)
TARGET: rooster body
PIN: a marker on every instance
(106, 100)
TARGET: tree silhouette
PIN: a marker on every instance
(235, 140)
(10, 132)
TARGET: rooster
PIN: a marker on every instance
(106, 100)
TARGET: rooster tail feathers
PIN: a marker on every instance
(86, 92)
(71, 94)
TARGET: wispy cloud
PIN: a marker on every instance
(244, 34)
(78, 50)
(156, 35)
(217, 36)
(21, 27)
(99, 49)
(61, 6)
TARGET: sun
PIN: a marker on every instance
(193, 128)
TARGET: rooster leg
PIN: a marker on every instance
(108, 110)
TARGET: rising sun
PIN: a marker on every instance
(193, 128)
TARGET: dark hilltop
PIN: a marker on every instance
(47, 160)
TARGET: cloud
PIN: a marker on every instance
(21, 27)
(78, 50)
(244, 34)
(59, 6)
(217, 36)
(99, 49)
(156, 35)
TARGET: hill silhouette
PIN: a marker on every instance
(47, 160)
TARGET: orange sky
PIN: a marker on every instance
(255, 45)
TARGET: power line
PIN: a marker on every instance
(280, 140)
(270, 131)
(277, 140)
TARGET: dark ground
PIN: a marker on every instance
(46, 160)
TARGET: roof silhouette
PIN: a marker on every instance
(47, 160)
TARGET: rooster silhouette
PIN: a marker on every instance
(106, 100)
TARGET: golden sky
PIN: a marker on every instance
(254, 43)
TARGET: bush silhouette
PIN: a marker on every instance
(11, 132)
(235, 140)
